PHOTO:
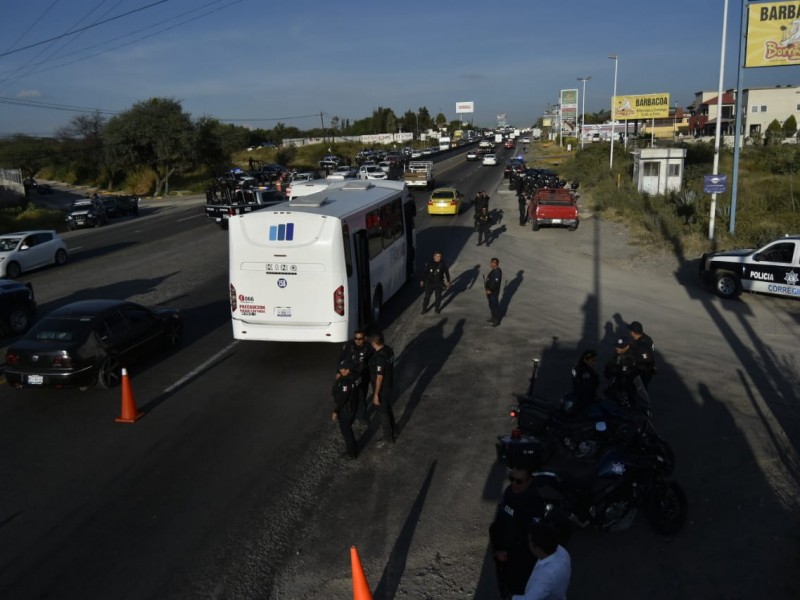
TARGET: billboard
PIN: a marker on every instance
(773, 34)
(502, 119)
(644, 106)
(465, 107)
(569, 106)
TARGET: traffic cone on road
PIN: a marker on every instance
(130, 414)
(360, 585)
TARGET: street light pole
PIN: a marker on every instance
(615, 58)
(583, 107)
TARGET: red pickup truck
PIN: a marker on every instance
(553, 206)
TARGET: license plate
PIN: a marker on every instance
(35, 379)
(556, 221)
(283, 311)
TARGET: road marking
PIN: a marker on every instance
(200, 368)
(192, 217)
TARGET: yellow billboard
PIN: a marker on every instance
(773, 34)
(644, 106)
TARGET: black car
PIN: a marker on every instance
(120, 206)
(88, 342)
(17, 307)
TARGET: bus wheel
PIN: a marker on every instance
(377, 304)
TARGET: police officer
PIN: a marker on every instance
(508, 533)
(481, 202)
(344, 405)
(435, 278)
(621, 372)
(483, 223)
(642, 349)
(381, 369)
(585, 381)
(358, 351)
(492, 284)
(522, 200)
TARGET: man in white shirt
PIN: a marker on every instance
(550, 577)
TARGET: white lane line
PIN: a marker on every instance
(200, 368)
(192, 217)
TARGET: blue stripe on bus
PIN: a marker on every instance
(289, 231)
(281, 233)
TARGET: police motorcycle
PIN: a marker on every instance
(571, 431)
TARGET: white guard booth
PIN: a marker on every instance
(658, 170)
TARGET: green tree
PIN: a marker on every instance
(155, 134)
(774, 133)
(82, 149)
(790, 127)
(28, 154)
(440, 120)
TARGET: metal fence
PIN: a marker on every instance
(12, 190)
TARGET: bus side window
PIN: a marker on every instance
(374, 233)
(392, 222)
(348, 255)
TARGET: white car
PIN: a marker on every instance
(489, 159)
(371, 172)
(344, 173)
(385, 166)
(305, 176)
(27, 250)
(525, 140)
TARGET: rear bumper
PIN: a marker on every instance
(79, 377)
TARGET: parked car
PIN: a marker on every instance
(344, 172)
(445, 201)
(17, 307)
(773, 269)
(553, 206)
(86, 212)
(120, 206)
(371, 172)
(330, 162)
(489, 159)
(27, 250)
(88, 342)
(305, 176)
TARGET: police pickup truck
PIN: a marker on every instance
(222, 202)
(773, 269)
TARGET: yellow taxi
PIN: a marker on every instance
(445, 201)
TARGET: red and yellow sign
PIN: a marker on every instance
(773, 34)
(645, 106)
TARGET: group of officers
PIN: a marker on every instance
(518, 520)
(364, 378)
(527, 181)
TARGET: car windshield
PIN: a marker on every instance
(8, 244)
(55, 329)
(442, 195)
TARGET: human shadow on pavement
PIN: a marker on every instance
(464, 281)
(509, 290)
(396, 565)
(421, 362)
(494, 234)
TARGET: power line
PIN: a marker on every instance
(34, 24)
(269, 119)
(55, 106)
(73, 32)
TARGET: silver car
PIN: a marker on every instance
(27, 250)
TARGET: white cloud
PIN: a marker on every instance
(29, 94)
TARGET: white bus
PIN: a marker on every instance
(316, 268)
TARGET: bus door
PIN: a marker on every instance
(410, 210)
(361, 272)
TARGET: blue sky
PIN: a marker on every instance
(257, 62)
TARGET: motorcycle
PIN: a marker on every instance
(606, 495)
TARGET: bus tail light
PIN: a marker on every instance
(338, 301)
(233, 299)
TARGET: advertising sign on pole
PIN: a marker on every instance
(644, 106)
(773, 34)
(465, 107)
(502, 119)
(715, 184)
(569, 106)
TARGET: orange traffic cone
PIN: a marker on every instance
(130, 414)
(360, 585)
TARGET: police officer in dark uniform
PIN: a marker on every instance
(344, 405)
(381, 369)
(358, 351)
(642, 349)
(621, 373)
(481, 202)
(522, 199)
(483, 224)
(492, 284)
(508, 533)
(585, 381)
(435, 278)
